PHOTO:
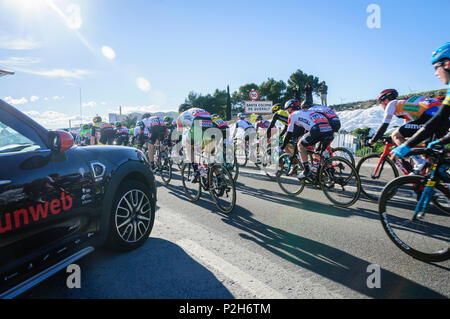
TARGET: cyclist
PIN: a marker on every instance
(194, 122)
(416, 111)
(122, 134)
(223, 126)
(157, 131)
(329, 113)
(140, 135)
(440, 121)
(85, 135)
(261, 123)
(317, 127)
(95, 130)
(107, 133)
(245, 126)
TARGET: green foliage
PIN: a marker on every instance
(299, 79)
(362, 132)
(130, 121)
(272, 90)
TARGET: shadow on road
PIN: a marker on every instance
(326, 261)
(158, 269)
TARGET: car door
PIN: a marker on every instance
(46, 205)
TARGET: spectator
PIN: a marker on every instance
(308, 94)
(323, 90)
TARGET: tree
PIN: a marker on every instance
(130, 121)
(272, 90)
(299, 79)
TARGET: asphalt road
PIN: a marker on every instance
(270, 246)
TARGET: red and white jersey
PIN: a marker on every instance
(308, 119)
(325, 110)
(153, 121)
(262, 124)
(187, 118)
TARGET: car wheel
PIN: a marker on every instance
(132, 216)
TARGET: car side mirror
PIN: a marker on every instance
(60, 141)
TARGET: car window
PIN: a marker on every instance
(12, 141)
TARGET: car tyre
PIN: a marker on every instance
(132, 216)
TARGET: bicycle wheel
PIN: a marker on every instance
(291, 185)
(427, 238)
(233, 168)
(241, 154)
(222, 188)
(340, 181)
(345, 153)
(372, 185)
(192, 189)
(165, 167)
(270, 164)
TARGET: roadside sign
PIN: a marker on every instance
(254, 95)
(259, 107)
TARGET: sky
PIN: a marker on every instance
(147, 55)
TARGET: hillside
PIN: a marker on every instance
(367, 104)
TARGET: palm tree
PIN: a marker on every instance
(130, 121)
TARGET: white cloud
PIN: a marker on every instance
(18, 101)
(55, 120)
(58, 97)
(15, 61)
(89, 104)
(140, 109)
(34, 98)
(9, 43)
(58, 73)
(108, 52)
(143, 84)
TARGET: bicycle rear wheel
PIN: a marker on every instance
(427, 238)
(290, 184)
(340, 181)
(241, 154)
(165, 167)
(371, 186)
(222, 188)
(192, 188)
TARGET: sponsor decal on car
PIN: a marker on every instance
(25, 216)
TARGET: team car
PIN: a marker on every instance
(60, 202)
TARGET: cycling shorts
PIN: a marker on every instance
(317, 134)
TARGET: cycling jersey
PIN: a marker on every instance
(308, 119)
(187, 119)
(282, 116)
(221, 124)
(262, 124)
(153, 121)
(438, 123)
(244, 124)
(410, 109)
(325, 110)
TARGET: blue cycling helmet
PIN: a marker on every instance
(442, 53)
(139, 123)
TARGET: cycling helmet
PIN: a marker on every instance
(389, 94)
(146, 116)
(241, 116)
(168, 119)
(86, 127)
(97, 119)
(118, 124)
(214, 116)
(184, 107)
(259, 118)
(294, 104)
(442, 53)
(275, 108)
(139, 123)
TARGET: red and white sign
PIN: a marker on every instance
(254, 95)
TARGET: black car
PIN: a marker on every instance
(59, 202)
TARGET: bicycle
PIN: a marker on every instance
(376, 170)
(212, 177)
(415, 210)
(163, 163)
(335, 175)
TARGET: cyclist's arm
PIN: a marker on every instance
(272, 124)
(439, 120)
(382, 129)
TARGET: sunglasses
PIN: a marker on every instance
(438, 64)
